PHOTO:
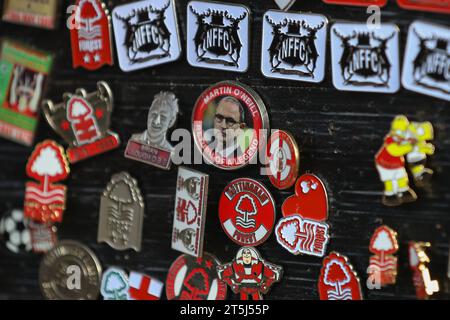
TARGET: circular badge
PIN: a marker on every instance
(70, 271)
(15, 232)
(229, 123)
(247, 212)
(192, 278)
(283, 159)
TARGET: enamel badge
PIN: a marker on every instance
(15, 232)
(418, 263)
(440, 6)
(364, 59)
(91, 38)
(303, 228)
(144, 287)
(218, 35)
(45, 201)
(427, 59)
(190, 212)
(383, 264)
(249, 275)
(284, 4)
(151, 146)
(114, 284)
(42, 14)
(146, 34)
(364, 3)
(43, 236)
(337, 280)
(294, 46)
(121, 213)
(83, 120)
(191, 278)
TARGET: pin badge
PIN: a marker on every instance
(294, 46)
(191, 278)
(364, 59)
(218, 35)
(15, 232)
(43, 236)
(283, 159)
(285, 4)
(45, 201)
(151, 146)
(303, 228)
(91, 38)
(83, 120)
(418, 262)
(337, 280)
(114, 285)
(143, 287)
(229, 122)
(383, 264)
(146, 34)
(190, 212)
(40, 14)
(365, 3)
(426, 61)
(426, 5)
(23, 75)
(121, 213)
(249, 274)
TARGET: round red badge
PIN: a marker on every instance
(229, 122)
(247, 212)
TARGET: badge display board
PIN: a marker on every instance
(338, 134)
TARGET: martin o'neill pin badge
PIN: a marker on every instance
(365, 59)
(230, 124)
(294, 46)
(426, 66)
(218, 35)
(146, 34)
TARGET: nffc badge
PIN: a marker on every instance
(190, 212)
(294, 46)
(427, 59)
(440, 6)
(45, 201)
(34, 13)
(364, 59)
(249, 275)
(284, 4)
(230, 124)
(83, 120)
(151, 146)
(43, 236)
(146, 34)
(192, 278)
(218, 35)
(114, 285)
(15, 232)
(418, 262)
(383, 264)
(143, 287)
(91, 36)
(337, 280)
(121, 213)
(247, 212)
(303, 228)
(364, 3)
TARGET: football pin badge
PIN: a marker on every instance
(43, 236)
(15, 231)
(418, 263)
(440, 6)
(42, 14)
(284, 4)
(114, 284)
(151, 146)
(83, 120)
(364, 3)
(144, 287)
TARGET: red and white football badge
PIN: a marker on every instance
(247, 212)
(418, 262)
(45, 201)
(43, 236)
(283, 159)
(143, 287)
(364, 3)
(442, 6)
(91, 37)
(193, 278)
(303, 229)
(337, 280)
(383, 264)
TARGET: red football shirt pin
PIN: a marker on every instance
(364, 3)
(303, 229)
(249, 274)
(383, 264)
(442, 6)
(91, 37)
(337, 280)
(418, 262)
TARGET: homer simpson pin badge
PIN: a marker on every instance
(151, 146)
(83, 120)
(418, 262)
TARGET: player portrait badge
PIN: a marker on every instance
(191, 278)
(230, 125)
(249, 275)
(114, 284)
(91, 38)
(121, 213)
(426, 5)
(337, 280)
(218, 35)
(364, 3)
(427, 59)
(418, 263)
(303, 228)
(294, 46)
(190, 212)
(42, 14)
(83, 120)
(146, 34)
(23, 75)
(364, 59)
(151, 146)
(284, 4)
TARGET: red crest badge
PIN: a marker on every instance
(365, 3)
(337, 280)
(418, 262)
(383, 264)
(441, 6)
(91, 37)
